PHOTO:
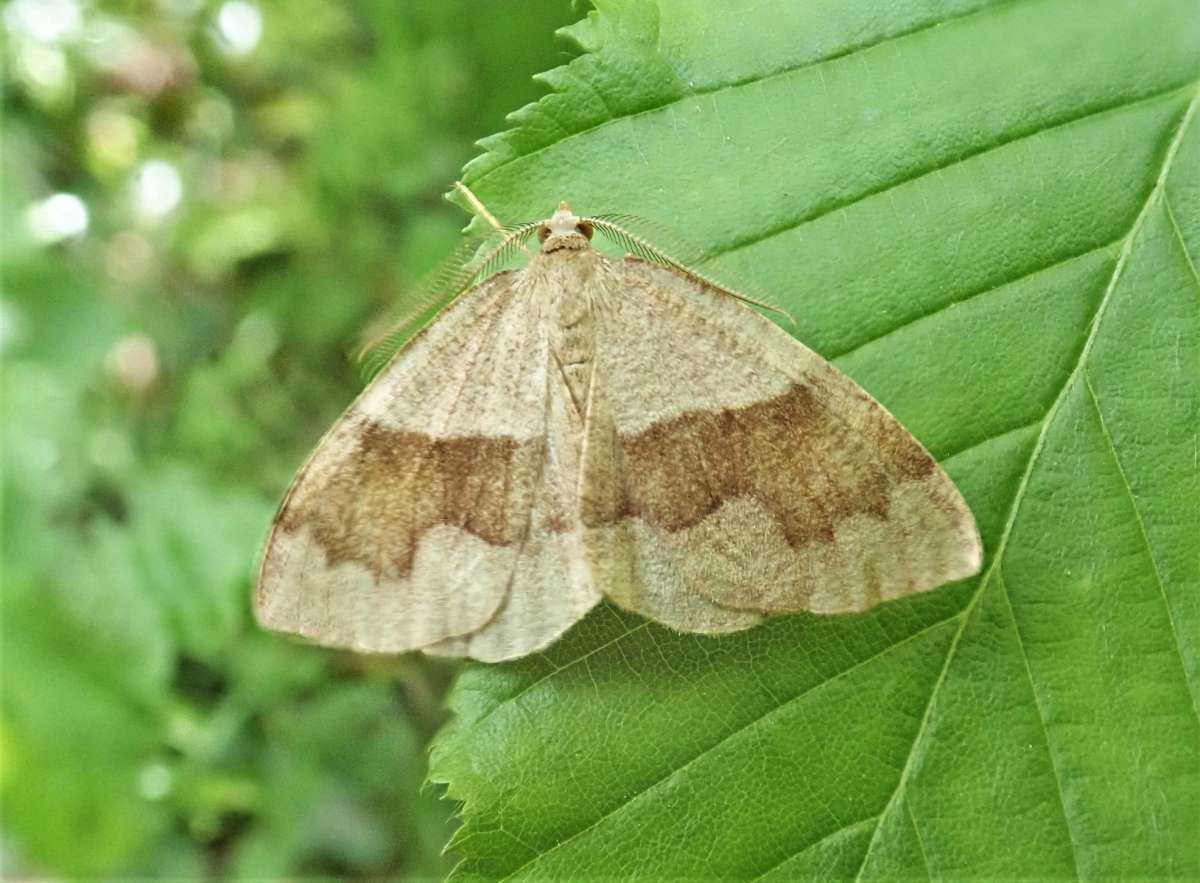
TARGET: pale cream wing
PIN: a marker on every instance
(553, 586)
(429, 504)
(750, 473)
(629, 561)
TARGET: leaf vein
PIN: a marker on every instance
(559, 670)
(786, 70)
(773, 709)
(1141, 523)
(905, 771)
(1041, 716)
(912, 818)
(1057, 262)
(817, 214)
(1023, 427)
(1047, 422)
(1187, 255)
(825, 838)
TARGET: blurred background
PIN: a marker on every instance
(204, 204)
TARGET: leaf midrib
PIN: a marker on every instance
(1157, 192)
(1048, 421)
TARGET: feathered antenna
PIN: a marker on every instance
(471, 262)
(684, 256)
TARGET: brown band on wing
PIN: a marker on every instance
(790, 453)
(372, 506)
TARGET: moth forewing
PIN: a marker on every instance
(471, 262)
(402, 529)
(659, 244)
(589, 427)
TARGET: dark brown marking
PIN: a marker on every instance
(789, 453)
(373, 505)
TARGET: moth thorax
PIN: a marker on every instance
(565, 242)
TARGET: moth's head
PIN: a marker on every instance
(564, 230)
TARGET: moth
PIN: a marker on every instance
(592, 427)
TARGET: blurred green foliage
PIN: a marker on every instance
(204, 204)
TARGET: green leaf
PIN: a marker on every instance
(989, 214)
(89, 656)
